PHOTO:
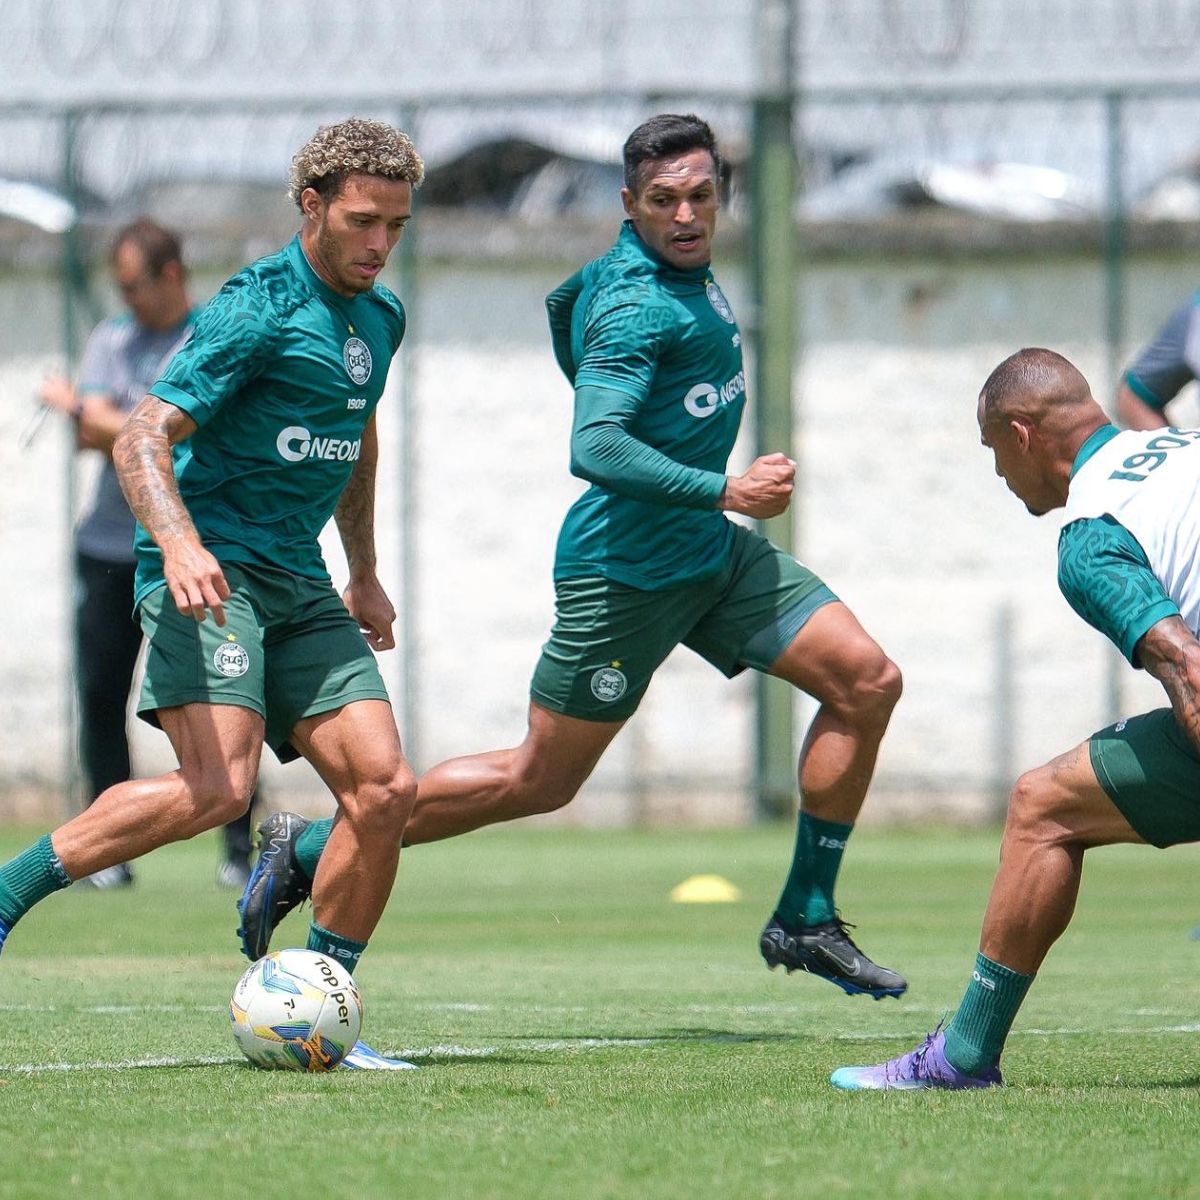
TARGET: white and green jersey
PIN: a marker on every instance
(1129, 554)
(280, 375)
(664, 343)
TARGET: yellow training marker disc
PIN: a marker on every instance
(705, 889)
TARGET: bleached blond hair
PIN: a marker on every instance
(350, 147)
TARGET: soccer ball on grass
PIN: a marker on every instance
(296, 1010)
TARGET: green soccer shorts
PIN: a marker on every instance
(1151, 772)
(609, 639)
(288, 650)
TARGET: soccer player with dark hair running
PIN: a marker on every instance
(260, 429)
(647, 560)
(1127, 559)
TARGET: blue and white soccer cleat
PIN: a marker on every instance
(276, 885)
(362, 1058)
(920, 1069)
(5, 930)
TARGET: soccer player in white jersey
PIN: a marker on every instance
(1127, 555)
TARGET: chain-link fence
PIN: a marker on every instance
(950, 214)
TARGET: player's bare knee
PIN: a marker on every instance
(872, 693)
(217, 800)
(232, 806)
(888, 685)
(530, 792)
(1031, 808)
(403, 794)
(550, 799)
(382, 806)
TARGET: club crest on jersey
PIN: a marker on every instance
(357, 359)
(717, 299)
(609, 684)
(231, 659)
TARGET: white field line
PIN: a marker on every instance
(535, 1046)
(127, 1064)
(934, 1012)
(115, 1009)
(424, 1052)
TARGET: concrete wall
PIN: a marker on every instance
(899, 511)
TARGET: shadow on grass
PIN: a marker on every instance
(1132, 1084)
(719, 1036)
(536, 1049)
(530, 1050)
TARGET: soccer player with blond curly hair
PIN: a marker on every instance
(260, 429)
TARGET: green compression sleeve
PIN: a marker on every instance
(603, 451)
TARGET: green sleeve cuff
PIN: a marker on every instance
(1143, 393)
(196, 409)
(1145, 622)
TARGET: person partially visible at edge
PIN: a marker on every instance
(1127, 557)
(1161, 370)
(123, 357)
(648, 559)
(262, 428)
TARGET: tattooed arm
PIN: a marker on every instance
(142, 457)
(364, 596)
(1172, 655)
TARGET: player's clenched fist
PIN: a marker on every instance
(765, 490)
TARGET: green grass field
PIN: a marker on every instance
(582, 1036)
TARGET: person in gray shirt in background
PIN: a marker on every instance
(123, 357)
(1162, 368)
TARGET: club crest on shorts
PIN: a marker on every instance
(357, 359)
(717, 299)
(609, 684)
(231, 659)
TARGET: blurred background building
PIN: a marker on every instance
(971, 177)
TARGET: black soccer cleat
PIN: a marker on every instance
(276, 884)
(828, 951)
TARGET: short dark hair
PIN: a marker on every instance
(666, 135)
(158, 244)
(1033, 374)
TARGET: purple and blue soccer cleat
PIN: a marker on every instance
(924, 1067)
